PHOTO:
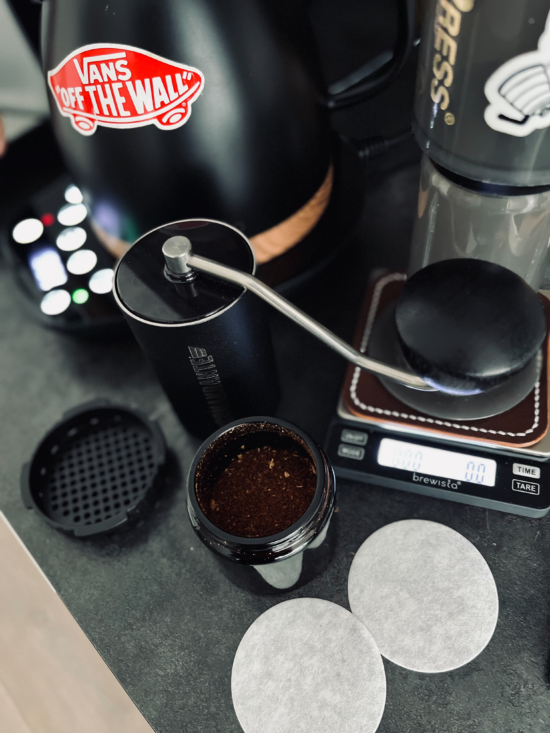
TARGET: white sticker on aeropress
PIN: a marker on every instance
(426, 595)
(308, 666)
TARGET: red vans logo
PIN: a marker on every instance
(122, 86)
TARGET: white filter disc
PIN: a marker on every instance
(308, 666)
(426, 595)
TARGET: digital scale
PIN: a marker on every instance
(500, 462)
(515, 481)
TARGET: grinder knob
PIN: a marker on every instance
(467, 325)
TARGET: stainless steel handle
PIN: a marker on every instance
(179, 258)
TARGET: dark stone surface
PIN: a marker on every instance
(154, 602)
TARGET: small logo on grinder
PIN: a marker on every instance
(210, 382)
(122, 86)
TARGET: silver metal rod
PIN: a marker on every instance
(298, 316)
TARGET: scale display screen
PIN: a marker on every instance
(436, 462)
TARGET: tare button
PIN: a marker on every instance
(527, 487)
(528, 471)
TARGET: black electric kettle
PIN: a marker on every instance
(197, 108)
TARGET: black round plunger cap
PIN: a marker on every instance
(467, 325)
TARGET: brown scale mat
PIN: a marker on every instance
(364, 396)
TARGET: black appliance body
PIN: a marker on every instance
(201, 108)
(483, 91)
(256, 145)
(211, 347)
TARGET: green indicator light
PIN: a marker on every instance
(80, 296)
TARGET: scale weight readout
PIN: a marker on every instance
(496, 479)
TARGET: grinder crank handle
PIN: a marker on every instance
(181, 265)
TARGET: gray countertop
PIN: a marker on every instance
(152, 600)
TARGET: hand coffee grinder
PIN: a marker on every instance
(468, 318)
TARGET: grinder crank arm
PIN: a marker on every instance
(181, 267)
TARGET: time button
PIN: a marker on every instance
(527, 471)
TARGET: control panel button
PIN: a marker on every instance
(527, 487)
(354, 437)
(350, 451)
(528, 471)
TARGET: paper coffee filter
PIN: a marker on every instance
(308, 666)
(426, 595)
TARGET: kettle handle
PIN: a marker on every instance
(383, 76)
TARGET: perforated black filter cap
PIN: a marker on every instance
(95, 470)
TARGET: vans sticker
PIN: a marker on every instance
(121, 87)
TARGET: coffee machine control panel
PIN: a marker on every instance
(467, 473)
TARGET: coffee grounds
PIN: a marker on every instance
(262, 492)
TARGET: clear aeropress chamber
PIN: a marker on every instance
(454, 221)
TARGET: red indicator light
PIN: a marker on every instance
(47, 219)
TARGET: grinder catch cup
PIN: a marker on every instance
(261, 496)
